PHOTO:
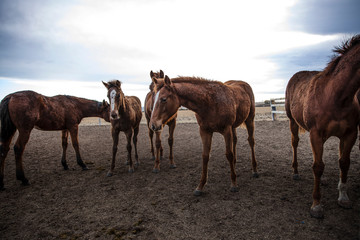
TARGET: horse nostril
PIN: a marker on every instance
(153, 127)
(113, 115)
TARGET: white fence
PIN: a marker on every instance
(274, 103)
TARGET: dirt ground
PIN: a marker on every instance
(78, 204)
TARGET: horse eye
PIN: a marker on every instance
(163, 100)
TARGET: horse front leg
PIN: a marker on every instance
(346, 145)
(294, 128)
(151, 135)
(206, 138)
(172, 126)
(250, 126)
(64, 143)
(317, 145)
(75, 143)
(158, 154)
(129, 148)
(229, 142)
(136, 132)
(19, 148)
(115, 135)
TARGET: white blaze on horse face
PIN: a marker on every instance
(112, 99)
(155, 101)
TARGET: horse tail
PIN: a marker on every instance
(7, 126)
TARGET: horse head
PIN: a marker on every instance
(166, 103)
(157, 75)
(104, 109)
(116, 98)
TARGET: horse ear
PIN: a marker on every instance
(104, 103)
(161, 74)
(118, 83)
(105, 84)
(151, 74)
(154, 80)
(167, 80)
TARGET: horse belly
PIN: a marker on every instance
(50, 124)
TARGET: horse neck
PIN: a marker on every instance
(193, 96)
(342, 86)
(89, 108)
(344, 79)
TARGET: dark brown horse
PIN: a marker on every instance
(325, 105)
(125, 116)
(149, 105)
(27, 109)
(219, 107)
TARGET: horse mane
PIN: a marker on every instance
(192, 80)
(339, 52)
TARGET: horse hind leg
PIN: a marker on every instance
(294, 128)
(64, 141)
(19, 148)
(250, 126)
(4, 149)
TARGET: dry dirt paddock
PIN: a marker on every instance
(78, 204)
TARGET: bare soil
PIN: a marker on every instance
(78, 204)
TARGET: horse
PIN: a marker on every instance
(219, 107)
(149, 105)
(324, 104)
(26, 110)
(125, 116)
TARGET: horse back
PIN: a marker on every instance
(134, 111)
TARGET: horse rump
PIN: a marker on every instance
(7, 126)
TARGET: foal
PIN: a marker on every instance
(149, 106)
(125, 116)
(25, 110)
(219, 107)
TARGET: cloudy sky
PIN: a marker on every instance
(70, 46)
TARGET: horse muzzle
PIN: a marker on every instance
(156, 128)
(114, 115)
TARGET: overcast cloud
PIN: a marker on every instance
(69, 47)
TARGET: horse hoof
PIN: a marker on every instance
(255, 175)
(66, 168)
(317, 212)
(234, 189)
(347, 204)
(109, 174)
(25, 182)
(198, 193)
(85, 168)
(172, 166)
(155, 170)
(131, 170)
(296, 177)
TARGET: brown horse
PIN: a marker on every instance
(219, 107)
(324, 104)
(125, 116)
(27, 109)
(149, 105)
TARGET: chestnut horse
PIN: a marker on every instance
(149, 105)
(125, 116)
(325, 105)
(27, 109)
(219, 107)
